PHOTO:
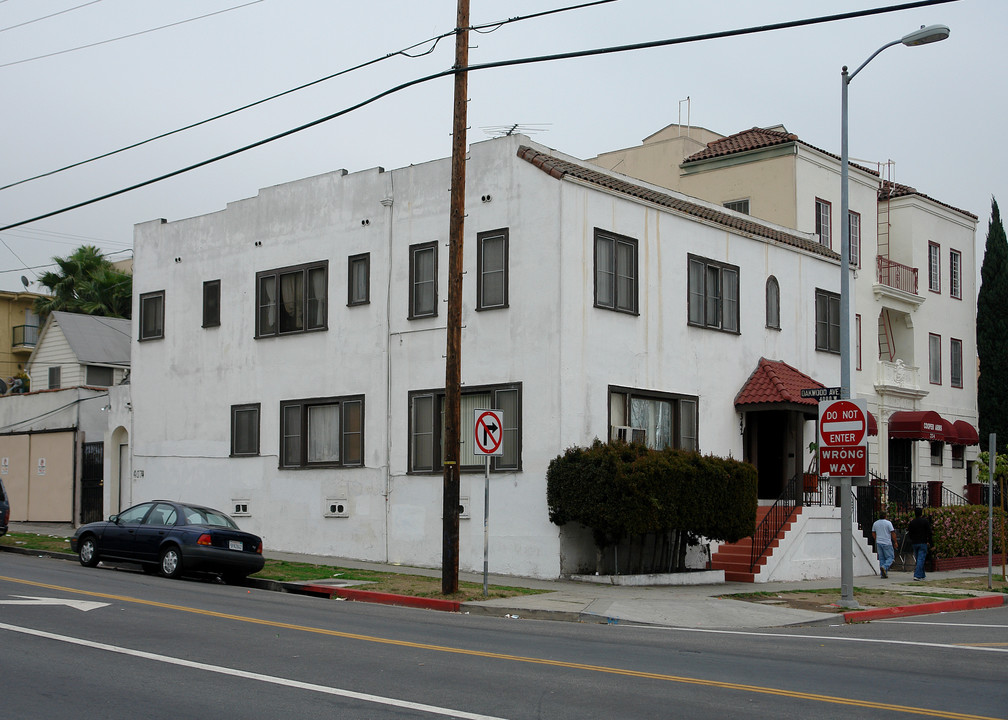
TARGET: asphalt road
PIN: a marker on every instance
(154, 648)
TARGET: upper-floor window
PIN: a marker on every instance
(741, 206)
(427, 427)
(152, 315)
(934, 267)
(54, 377)
(955, 274)
(423, 280)
(956, 364)
(492, 261)
(292, 299)
(772, 303)
(713, 294)
(98, 376)
(827, 327)
(322, 432)
(823, 220)
(854, 238)
(659, 420)
(934, 358)
(615, 272)
(245, 429)
(211, 303)
(359, 279)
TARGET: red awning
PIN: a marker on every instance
(917, 425)
(872, 425)
(966, 432)
(951, 436)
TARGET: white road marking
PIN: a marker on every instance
(923, 622)
(297, 684)
(82, 605)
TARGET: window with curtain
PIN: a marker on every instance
(152, 315)
(615, 272)
(359, 279)
(492, 261)
(666, 419)
(712, 294)
(244, 430)
(292, 300)
(427, 427)
(423, 280)
(322, 432)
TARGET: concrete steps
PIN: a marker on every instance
(734, 558)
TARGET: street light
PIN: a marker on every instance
(924, 36)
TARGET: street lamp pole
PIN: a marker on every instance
(929, 34)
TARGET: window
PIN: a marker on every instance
(772, 303)
(741, 206)
(857, 337)
(423, 280)
(98, 376)
(854, 238)
(54, 378)
(934, 267)
(359, 279)
(823, 220)
(211, 303)
(937, 452)
(322, 432)
(615, 272)
(665, 420)
(427, 426)
(492, 261)
(152, 315)
(827, 326)
(934, 358)
(955, 364)
(292, 299)
(713, 294)
(958, 456)
(955, 274)
(244, 430)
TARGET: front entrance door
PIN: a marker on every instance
(900, 470)
(771, 437)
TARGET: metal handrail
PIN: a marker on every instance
(24, 335)
(778, 515)
(896, 275)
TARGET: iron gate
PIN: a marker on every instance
(92, 474)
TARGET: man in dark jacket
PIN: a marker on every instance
(919, 537)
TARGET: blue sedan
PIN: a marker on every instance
(173, 538)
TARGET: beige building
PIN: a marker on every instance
(19, 328)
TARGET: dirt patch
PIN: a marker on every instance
(827, 600)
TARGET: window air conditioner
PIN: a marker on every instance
(629, 434)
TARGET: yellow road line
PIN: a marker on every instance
(927, 712)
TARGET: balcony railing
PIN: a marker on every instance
(897, 375)
(896, 275)
(24, 336)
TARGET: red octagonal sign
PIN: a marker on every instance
(842, 423)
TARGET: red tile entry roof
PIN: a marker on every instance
(919, 425)
(774, 381)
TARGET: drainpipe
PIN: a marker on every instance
(387, 202)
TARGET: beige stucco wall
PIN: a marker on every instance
(39, 475)
(770, 186)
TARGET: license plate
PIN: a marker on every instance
(234, 544)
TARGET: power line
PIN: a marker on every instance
(404, 52)
(50, 15)
(123, 37)
(487, 66)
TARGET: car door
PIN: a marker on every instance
(151, 533)
(119, 536)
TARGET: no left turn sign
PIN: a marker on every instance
(489, 432)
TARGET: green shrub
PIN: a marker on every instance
(958, 530)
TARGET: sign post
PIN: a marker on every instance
(489, 436)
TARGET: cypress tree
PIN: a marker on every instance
(992, 334)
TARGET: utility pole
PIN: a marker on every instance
(453, 354)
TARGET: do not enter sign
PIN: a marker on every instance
(843, 438)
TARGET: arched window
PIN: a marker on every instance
(772, 303)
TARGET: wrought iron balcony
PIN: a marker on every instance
(896, 275)
(24, 336)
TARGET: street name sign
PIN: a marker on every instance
(823, 393)
(843, 438)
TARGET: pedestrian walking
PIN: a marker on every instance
(919, 536)
(884, 535)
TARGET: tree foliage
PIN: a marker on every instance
(622, 491)
(86, 282)
(992, 333)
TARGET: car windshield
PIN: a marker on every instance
(205, 516)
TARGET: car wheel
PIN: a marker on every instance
(171, 562)
(88, 551)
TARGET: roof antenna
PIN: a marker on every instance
(687, 101)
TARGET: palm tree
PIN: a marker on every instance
(86, 282)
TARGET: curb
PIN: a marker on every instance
(373, 597)
(973, 603)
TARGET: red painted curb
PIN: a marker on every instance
(385, 598)
(975, 603)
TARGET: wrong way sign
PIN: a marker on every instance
(489, 432)
(843, 438)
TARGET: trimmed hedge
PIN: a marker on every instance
(623, 491)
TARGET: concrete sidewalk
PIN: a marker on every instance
(694, 606)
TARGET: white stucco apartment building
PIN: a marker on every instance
(289, 361)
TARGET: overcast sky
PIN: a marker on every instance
(938, 111)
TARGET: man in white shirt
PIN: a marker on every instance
(885, 542)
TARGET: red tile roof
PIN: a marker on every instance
(774, 381)
(889, 189)
(754, 139)
(560, 168)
